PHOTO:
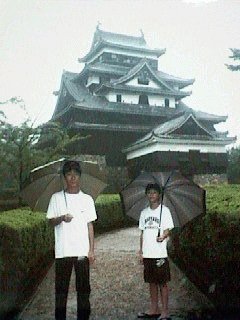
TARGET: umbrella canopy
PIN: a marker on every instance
(184, 198)
(47, 179)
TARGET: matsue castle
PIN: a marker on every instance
(133, 114)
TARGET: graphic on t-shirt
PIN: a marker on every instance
(151, 223)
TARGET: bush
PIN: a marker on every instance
(26, 244)
(208, 248)
(223, 198)
(110, 213)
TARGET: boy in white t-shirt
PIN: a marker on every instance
(72, 212)
(153, 251)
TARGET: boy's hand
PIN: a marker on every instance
(140, 254)
(161, 238)
(67, 217)
(91, 257)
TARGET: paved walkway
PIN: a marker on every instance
(118, 290)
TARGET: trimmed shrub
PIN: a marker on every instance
(208, 248)
(26, 243)
(110, 213)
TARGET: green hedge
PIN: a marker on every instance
(26, 243)
(223, 199)
(110, 213)
(208, 248)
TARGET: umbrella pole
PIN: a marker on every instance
(64, 192)
(159, 228)
(65, 198)
(160, 217)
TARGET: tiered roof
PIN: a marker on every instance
(81, 98)
(103, 39)
(143, 65)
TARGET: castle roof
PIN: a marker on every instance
(115, 40)
(81, 98)
(185, 127)
(118, 38)
(143, 65)
(120, 71)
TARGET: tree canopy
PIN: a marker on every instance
(233, 170)
(236, 57)
(26, 146)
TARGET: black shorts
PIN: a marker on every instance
(153, 273)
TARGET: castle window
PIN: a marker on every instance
(166, 101)
(143, 99)
(119, 98)
(143, 81)
(127, 60)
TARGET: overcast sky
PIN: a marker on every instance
(39, 39)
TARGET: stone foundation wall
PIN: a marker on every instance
(203, 179)
(117, 177)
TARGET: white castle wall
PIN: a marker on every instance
(154, 100)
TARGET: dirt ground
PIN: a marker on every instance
(118, 290)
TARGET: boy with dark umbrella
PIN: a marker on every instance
(72, 212)
(155, 224)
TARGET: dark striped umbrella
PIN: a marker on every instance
(184, 198)
(47, 179)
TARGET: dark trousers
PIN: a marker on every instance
(63, 271)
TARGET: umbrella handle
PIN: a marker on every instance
(65, 198)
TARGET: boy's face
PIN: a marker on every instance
(153, 196)
(72, 179)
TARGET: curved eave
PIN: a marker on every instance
(123, 108)
(107, 87)
(110, 127)
(59, 95)
(153, 140)
(182, 83)
(203, 116)
(212, 118)
(108, 70)
(101, 44)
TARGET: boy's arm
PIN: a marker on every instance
(140, 252)
(56, 221)
(91, 242)
(166, 234)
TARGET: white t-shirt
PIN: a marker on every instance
(72, 238)
(149, 223)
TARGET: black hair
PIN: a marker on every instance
(153, 186)
(70, 165)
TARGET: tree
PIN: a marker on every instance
(24, 147)
(236, 57)
(233, 170)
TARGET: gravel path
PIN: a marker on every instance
(118, 290)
